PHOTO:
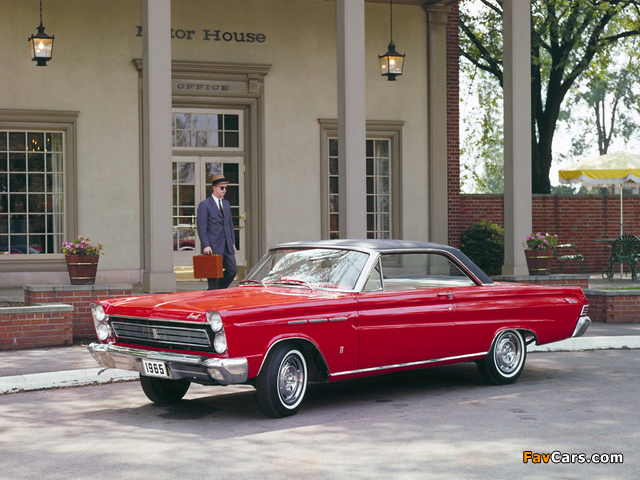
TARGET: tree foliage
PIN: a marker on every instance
(566, 36)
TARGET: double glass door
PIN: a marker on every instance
(191, 185)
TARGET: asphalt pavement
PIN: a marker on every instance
(71, 366)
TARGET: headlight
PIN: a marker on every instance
(215, 320)
(220, 343)
(103, 331)
(98, 312)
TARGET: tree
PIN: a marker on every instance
(610, 91)
(566, 35)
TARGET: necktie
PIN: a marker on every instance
(219, 202)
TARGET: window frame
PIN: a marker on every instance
(64, 122)
(376, 129)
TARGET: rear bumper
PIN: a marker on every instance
(581, 326)
(196, 368)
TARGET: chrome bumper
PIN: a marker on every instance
(581, 327)
(197, 368)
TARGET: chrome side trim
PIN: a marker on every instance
(338, 319)
(318, 320)
(410, 364)
(297, 322)
(197, 368)
(581, 326)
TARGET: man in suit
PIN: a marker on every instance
(215, 229)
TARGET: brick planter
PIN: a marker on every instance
(614, 306)
(80, 298)
(40, 326)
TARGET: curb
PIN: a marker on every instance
(69, 378)
(588, 343)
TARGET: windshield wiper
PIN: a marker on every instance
(289, 281)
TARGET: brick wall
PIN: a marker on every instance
(613, 307)
(31, 327)
(578, 219)
(80, 298)
(453, 118)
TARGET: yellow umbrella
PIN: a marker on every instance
(611, 169)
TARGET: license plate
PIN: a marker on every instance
(154, 369)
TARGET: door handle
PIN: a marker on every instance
(449, 295)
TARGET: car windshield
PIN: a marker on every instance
(311, 267)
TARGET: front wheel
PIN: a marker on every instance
(282, 383)
(162, 391)
(505, 361)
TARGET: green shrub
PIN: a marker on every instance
(483, 243)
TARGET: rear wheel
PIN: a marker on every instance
(162, 391)
(505, 361)
(282, 383)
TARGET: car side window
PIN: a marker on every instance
(420, 270)
(374, 283)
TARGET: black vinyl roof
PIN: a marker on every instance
(383, 246)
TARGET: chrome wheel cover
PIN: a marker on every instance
(291, 379)
(508, 353)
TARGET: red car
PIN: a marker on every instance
(333, 310)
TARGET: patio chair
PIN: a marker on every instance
(564, 257)
(625, 249)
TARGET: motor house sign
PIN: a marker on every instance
(214, 35)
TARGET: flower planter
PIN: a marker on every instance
(82, 269)
(539, 261)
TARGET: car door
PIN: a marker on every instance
(410, 316)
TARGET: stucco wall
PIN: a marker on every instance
(92, 72)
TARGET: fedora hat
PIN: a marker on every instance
(218, 179)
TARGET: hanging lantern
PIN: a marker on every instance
(392, 62)
(41, 45)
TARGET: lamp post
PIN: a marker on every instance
(41, 45)
(392, 62)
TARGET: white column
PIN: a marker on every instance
(517, 134)
(158, 275)
(352, 123)
(437, 17)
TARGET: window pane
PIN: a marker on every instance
(215, 122)
(183, 139)
(231, 139)
(212, 169)
(383, 166)
(183, 121)
(199, 121)
(54, 183)
(35, 142)
(17, 162)
(4, 223)
(187, 172)
(333, 166)
(382, 148)
(369, 147)
(37, 224)
(54, 162)
(231, 122)
(18, 182)
(333, 147)
(334, 185)
(215, 139)
(370, 169)
(18, 224)
(36, 203)
(187, 195)
(199, 139)
(231, 172)
(4, 207)
(55, 203)
(3, 141)
(17, 141)
(54, 142)
(383, 185)
(333, 203)
(36, 182)
(36, 162)
(3, 162)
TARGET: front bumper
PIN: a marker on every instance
(196, 368)
(581, 326)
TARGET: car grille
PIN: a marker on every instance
(159, 334)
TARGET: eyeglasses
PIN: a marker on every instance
(222, 188)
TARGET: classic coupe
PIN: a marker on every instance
(332, 310)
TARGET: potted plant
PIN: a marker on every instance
(82, 260)
(539, 252)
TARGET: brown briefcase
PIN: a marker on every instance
(207, 266)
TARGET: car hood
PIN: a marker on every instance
(234, 303)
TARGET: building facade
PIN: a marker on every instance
(253, 91)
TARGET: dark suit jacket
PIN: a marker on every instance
(214, 230)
